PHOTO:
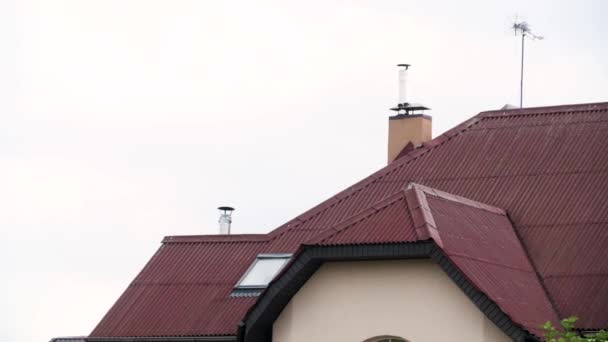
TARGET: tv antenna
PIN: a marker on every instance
(523, 28)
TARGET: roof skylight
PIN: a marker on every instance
(263, 270)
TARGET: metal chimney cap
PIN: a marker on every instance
(404, 65)
(225, 209)
(409, 107)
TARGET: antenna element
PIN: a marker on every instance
(523, 28)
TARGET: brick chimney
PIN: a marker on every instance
(404, 129)
(410, 125)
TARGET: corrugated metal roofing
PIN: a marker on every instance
(546, 166)
(385, 222)
(484, 246)
(479, 239)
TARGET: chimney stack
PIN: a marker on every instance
(225, 219)
(410, 124)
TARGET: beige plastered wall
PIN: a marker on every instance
(353, 301)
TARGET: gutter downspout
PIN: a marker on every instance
(240, 332)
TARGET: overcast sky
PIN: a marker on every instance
(122, 121)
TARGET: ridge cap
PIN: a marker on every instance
(428, 191)
(211, 238)
(547, 110)
(354, 219)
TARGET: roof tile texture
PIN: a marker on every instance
(547, 167)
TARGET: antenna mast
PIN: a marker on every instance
(523, 28)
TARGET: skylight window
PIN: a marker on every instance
(263, 270)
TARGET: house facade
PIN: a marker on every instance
(480, 234)
(411, 299)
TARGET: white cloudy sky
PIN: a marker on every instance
(122, 121)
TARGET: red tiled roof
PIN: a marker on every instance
(482, 243)
(387, 221)
(479, 239)
(547, 167)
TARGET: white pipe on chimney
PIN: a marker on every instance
(402, 83)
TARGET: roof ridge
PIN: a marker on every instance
(428, 191)
(543, 110)
(424, 222)
(378, 175)
(420, 210)
(422, 227)
(215, 238)
(355, 219)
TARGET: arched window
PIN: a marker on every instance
(386, 338)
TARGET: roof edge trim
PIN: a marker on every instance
(229, 338)
(428, 191)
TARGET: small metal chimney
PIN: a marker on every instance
(225, 219)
